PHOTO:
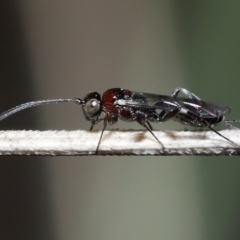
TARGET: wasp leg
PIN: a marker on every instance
(184, 91)
(201, 122)
(149, 125)
(105, 120)
(141, 119)
(165, 116)
(175, 93)
(91, 128)
(211, 128)
(94, 123)
(204, 123)
(146, 126)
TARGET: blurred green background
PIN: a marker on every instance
(63, 49)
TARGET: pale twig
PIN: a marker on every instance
(115, 142)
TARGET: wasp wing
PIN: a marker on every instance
(204, 109)
(148, 101)
(198, 107)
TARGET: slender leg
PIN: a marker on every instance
(184, 91)
(201, 122)
(165, 116)
(149, 129)
(94, 123)
(91, 128)
(104, 127)
(206, 124)
(149, 125)
(174, 94)
(211, 128)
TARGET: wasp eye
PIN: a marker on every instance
(92, 108)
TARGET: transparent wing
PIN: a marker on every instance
(204, 109)
(167, 103)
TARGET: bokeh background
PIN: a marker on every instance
(56, 49)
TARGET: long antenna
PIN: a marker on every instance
(36, 103)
